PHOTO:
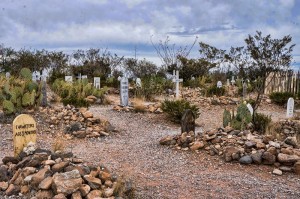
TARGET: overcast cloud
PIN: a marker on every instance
(120, 25)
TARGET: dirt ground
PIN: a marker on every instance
(160, 172)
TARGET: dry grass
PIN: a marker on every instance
(124, 188)
(58, 144)
(274, 129)
(138, 105)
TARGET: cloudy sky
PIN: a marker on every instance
(123, 25)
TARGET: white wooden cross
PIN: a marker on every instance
(177, 80)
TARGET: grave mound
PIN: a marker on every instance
(79, 123)
(41, 174)
(243, 146)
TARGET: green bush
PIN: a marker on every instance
(26, 73)
(280, 98)
(214, 90)
(154, 85)
(261, 122)
(175, 109)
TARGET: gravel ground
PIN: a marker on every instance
(160, 172)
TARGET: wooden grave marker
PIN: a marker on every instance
(24, 131)
(188, 121)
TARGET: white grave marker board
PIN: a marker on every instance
(219, 84)
(290, 108)
(84, 77)
(97, 82)
(250, 108)
(138, 82)
(7, 75)
(68, 78)
(124, 91)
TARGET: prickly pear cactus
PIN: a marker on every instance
(30, 86)
(243, 114)
(226, 118)
(8, 107)
(26, 99)
(26, 73)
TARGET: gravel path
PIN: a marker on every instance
(160, 172)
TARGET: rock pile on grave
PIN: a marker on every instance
(42, 174)
(288, 128)
(150, 108)
(79, 123)
(195, 96)
(242, 146)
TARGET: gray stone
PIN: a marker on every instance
(66, 183)
(284, 158)
(268, 158)
(245, 159)
(250, 144)
(291, 141)
(257, 157)
(277, 172)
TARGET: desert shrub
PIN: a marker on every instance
(280, 98)
(154, 85)
(26, 73)
(175, 109)
(54, 75)
(214, 90)
(112, 82)
(75, 101)
(261, 122)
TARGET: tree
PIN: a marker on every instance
(7, 55)
(194, 68)
(169, 54)
(267, 56)
(140, 68)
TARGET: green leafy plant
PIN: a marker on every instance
(175, 109)
(280, 98)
